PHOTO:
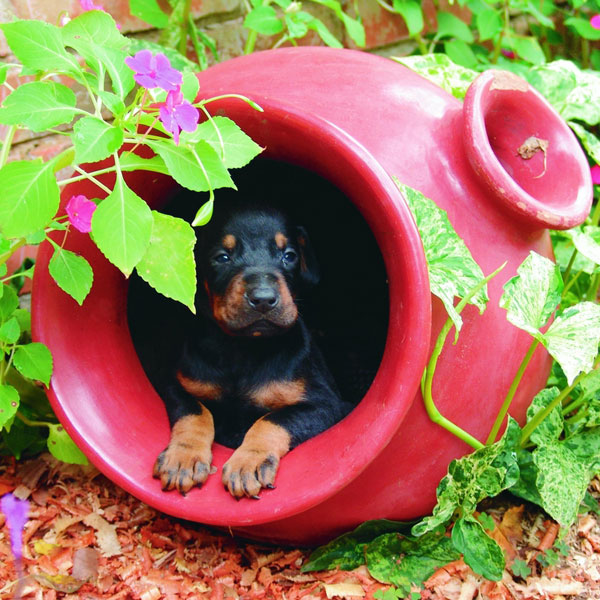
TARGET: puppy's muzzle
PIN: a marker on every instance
(262, 292)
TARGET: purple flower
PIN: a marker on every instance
(89, 5)
(80, 210)
(16, 512)
(177, 114)
(595, 170)
(154, 71)
(508, 53)
(595, 21)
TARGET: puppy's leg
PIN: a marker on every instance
(186, 461)
(254, 464)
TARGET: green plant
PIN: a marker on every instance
(509, 33)
(186, 142)
(282, 18)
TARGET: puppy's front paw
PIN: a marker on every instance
(182, 466)
(248, 471)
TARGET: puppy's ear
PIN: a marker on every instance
(309, 269)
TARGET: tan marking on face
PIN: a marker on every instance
(278, 394)
(289, 310)
(229, 242)
(227, 308)
(280, 240)
(200, 389)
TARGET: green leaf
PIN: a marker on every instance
(10, 331)
(264, 20)
(197, 168)
(72, 273)
(551, 427)
(190, 86)
(39, 46)
(169, 265)
(585, 446)
(93, 26)
(39, 105)
(122, 226)
(519, 568)
(461, 53)
(347, 551)
(120, 74)
(317, 25)
(484, 473)
(561, 481)
(9, 403)
(204, 214)
(112, 102)
(30, 198)
(489, 23)
(130, 161)
(9, 302)
(412, 14)
(149, 11)
(532, 295)
(588, 140)
(439, 69)
(583, 28)
(404, 561)
(353, 27)
(61, 446)
(586, 240)
(95, 139)
(452, 270)
(573, 338)
(451, 26)
(34, 361)
(480, 551)
(23, 317)
(528, 48)
(296, 27)
(234, 147)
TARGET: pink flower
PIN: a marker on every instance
(595, 170)
(508, 53)
(80, 210)
(16, 512)
(89, 5)
(595, 21)
(177, 114)
(154, 71)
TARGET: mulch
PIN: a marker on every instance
(87, 538)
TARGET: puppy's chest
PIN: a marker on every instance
(267, 393)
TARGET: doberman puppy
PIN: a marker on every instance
(250, 375)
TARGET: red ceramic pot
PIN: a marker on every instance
(355, 119)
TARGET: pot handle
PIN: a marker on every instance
(525, 153)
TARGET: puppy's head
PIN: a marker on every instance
(254, 262)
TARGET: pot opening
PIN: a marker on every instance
(347, 312)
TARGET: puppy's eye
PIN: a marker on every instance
(289, 257)
(221, 258)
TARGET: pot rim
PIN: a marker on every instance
(554, 212)
(332, 459)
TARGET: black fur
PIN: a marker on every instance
(248, 338)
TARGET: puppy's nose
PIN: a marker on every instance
(262, 298)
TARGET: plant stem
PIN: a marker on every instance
(569, 266)
(7, 144)
(25, 420)
(86, 176)
(15, 246)
(511, 393)
(250, 42)
(430, 407)
(542, 414)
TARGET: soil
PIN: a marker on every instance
(87, 538)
